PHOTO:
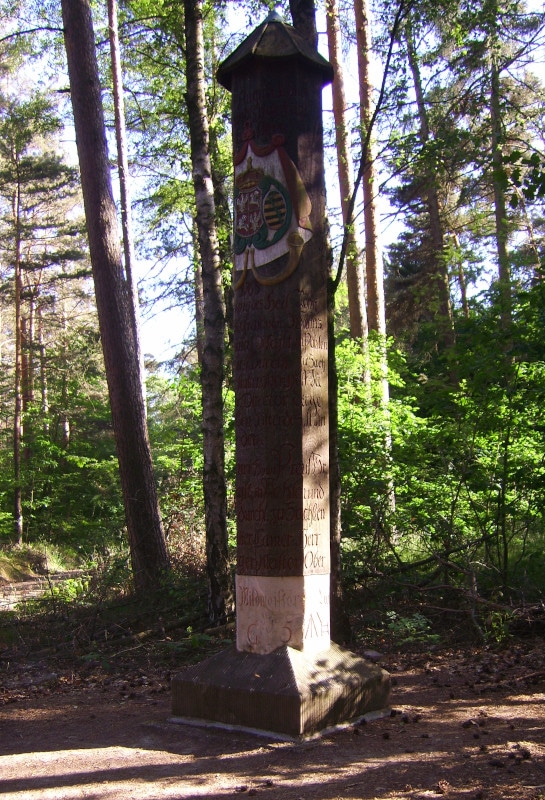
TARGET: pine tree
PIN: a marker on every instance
(36, 191)
(146, 536)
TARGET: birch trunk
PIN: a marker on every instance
(220, 590)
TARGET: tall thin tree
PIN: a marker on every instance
(439, 276)
(220, 597)
(376, 307)
(124, 180)
(355, 277)
(146, 537)
(376, 312)
(18, 415)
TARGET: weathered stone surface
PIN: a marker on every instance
(273, 40)
(274, 611)
(280, 371)
(280, 345)
(285, 692)
(282, 466)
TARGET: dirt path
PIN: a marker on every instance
(464, 725)
(12, 594)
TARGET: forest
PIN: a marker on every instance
(434, 130)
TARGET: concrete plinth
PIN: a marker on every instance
(285, 692)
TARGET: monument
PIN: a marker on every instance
(285, 675)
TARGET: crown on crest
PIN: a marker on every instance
(250, 178)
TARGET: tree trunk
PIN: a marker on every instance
(199, 299)
(354, 265)
(124, 193)
(303, 14)
(29, 346)
(26, 382)
(220, 597)
(64, 418)
(500, 206)
(146, 538)
(44, 395)
(440, 277)
(376, 308)
(18, 389)
(376, 314)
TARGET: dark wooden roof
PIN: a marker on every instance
(273, 40)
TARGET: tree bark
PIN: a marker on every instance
(303, 14)
(220, 589)
(18, 410)
(145, 531)
(440, 278)
(354, 264)
(124, 193)
(199, 301)
(376, 313)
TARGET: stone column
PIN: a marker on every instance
(280, 341)
(284, 675)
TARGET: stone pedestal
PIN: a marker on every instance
(286, 692)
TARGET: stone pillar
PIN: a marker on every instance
(284, 675)
(280, 341)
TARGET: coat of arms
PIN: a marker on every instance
(272, 209)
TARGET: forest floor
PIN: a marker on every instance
(466, 723)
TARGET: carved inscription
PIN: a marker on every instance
(315, 444)
(282, 497)
(274, 611)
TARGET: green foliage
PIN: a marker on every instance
(71, 589)
(175, 425)
(365, 427)
(68, 474)
(465, 459)
(527, 174)
(70, 482)
(497, 626)
(410, 630)
(174, 421)
(444, 486)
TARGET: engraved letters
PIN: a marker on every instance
(282, 473)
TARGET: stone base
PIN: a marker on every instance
(285, 692)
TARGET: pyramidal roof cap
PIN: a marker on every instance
(273, 40)
(274, 16)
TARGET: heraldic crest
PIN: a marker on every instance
(272, 210)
